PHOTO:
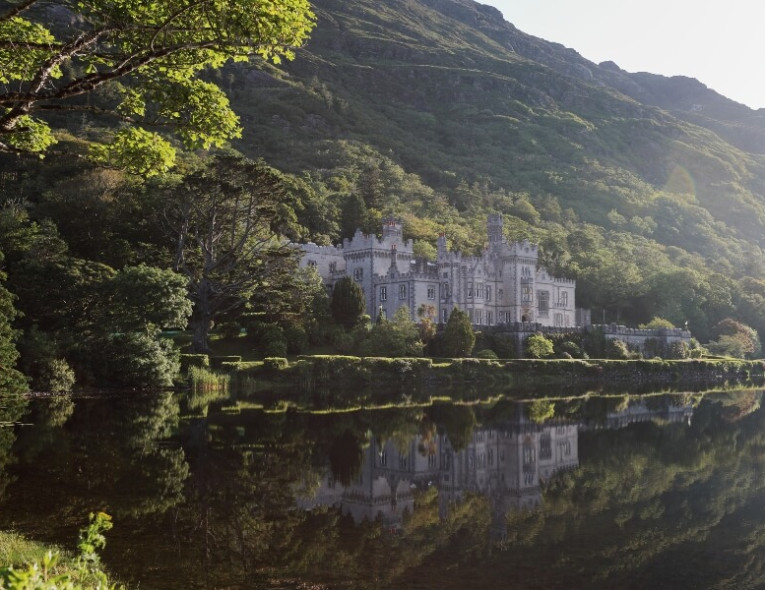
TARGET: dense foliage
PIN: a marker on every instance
(656, 212)
(143, 62)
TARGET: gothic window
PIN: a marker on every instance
(545, 447)
(526, 294)
(358, 273)
(488, 293)
(402, 291)
(445, 290)
(544, 302)
(479, 316)
(470, 315)
(491, 457)
(432, 461)
(446, 275)
(444, 316)
(383, 458)
(558, 320)
(500, 295)
(312, 264)
(489, 318)
(383, 293)
(470, 289)
(431, 292)
(563, 299)
(529, 457)
(479, 290)
(333, 267)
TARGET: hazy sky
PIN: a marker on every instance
(722, 44)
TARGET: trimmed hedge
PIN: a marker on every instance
(217, 361)
(347, 381)
(201, 361)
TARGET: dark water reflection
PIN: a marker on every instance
(660, 491)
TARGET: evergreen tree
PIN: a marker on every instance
(11, 380)
(347, 305)
(459, 337)
(353, 215)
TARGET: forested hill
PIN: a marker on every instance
(649, 191)
(440, 110)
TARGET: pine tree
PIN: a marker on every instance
(347, 305)
(459, 337)
(11, 380)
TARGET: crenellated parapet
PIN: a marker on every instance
(412, 275)
(311, 248)
(366, 242)
(504, 284)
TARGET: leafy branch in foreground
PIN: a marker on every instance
(50, 573)
(142, 60)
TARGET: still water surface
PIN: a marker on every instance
(629, 492)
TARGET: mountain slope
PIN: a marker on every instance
(440, 111)
(451, 91)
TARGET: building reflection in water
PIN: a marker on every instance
(509, 464)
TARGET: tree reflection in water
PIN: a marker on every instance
(661, 491)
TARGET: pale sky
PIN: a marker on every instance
(721, 44)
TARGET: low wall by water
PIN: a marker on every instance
(636, 338)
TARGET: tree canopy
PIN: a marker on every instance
(347, 304)
(459, 338)
(141, 63)
(227, 222)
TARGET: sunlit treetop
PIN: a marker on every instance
(145, 59)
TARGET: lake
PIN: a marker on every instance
(659, 491)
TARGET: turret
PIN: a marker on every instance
(392, 228)
(441, 244)
(393, 266)
(495, 230)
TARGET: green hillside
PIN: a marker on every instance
(649, 191)
(454, 112)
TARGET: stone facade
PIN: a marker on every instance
(503, 286)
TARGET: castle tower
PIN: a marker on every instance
(441, 244)
(392, 228)
(495, 227)
(393, 266)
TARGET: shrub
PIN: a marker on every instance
(538, 346)
(657, 323)
(343, 342)
(678, 350)
(569, 348)
(194, 360)
(275, 363)
(272, 341)
(617, 349)
(486, 353)
(216, 362)
(134, 360)
(297, 339)
(56, 376)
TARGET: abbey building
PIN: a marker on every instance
(503, 286)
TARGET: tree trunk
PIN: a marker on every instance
(201, 319)
(200, 328)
